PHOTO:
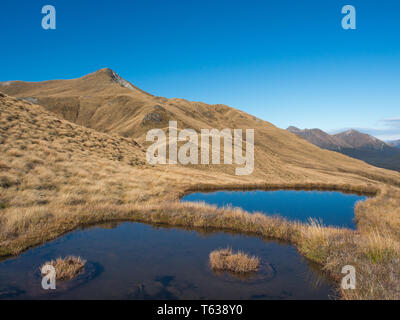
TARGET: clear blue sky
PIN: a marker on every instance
(288, 62)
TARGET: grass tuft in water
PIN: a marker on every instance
(228, 260)
(67, 268)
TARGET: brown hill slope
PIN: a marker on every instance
(47, 160)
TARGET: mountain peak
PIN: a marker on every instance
(105, 70)
(318, 137)
(351, 131)
(293, 129)
(361, 140)
(109, 75)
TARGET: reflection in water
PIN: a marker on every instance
(136, 261)
(333, 208)
(265, 273)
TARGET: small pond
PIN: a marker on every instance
(333, 208)
(137, 261)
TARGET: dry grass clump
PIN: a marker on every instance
(376, 261)
(67, 268)
(316, 239)
(380, 248)
(228, 260)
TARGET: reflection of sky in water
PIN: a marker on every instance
(334, 208)
(136, 261)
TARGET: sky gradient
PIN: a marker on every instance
(287, 62)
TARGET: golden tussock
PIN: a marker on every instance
(237, 262)
(67, 268)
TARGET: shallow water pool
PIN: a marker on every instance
(333, 208)
(137, 261)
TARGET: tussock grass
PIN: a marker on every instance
(380, 249)
(237, 262)
(315, 240)
(67, 268)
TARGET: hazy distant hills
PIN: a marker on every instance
(354, 144)
(320, 138)
(395, 143)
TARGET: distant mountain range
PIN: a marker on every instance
(356, 145)
(394, 143)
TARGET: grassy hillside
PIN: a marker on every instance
(103, 101)
(381, 159)
(56, 175)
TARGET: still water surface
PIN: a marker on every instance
(137, 261)
(333, 208)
